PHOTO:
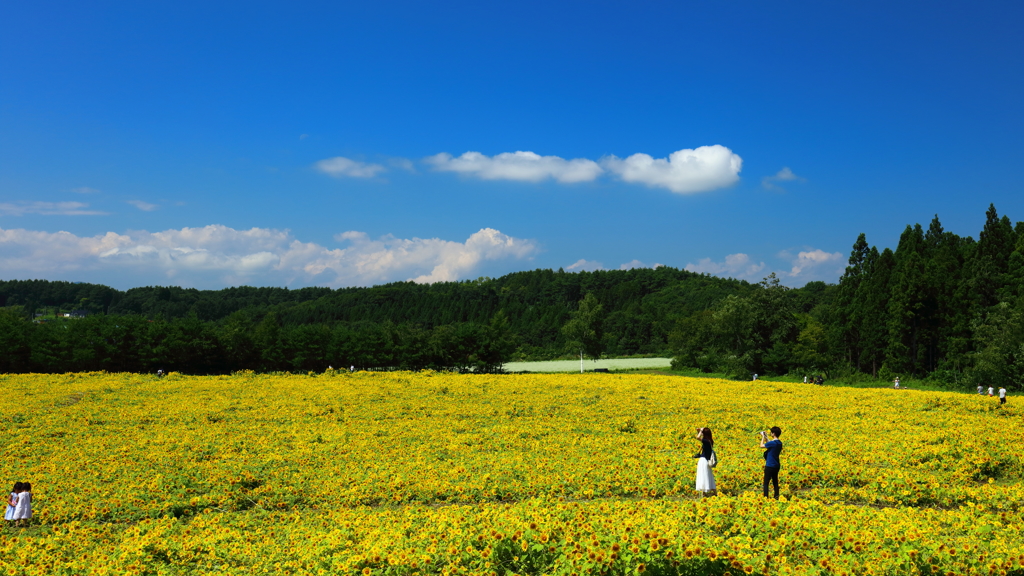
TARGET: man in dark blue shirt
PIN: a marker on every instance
(772, 464)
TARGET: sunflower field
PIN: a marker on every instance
(420, 473)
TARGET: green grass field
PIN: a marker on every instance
(588, 365)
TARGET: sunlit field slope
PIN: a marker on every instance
(404, 473)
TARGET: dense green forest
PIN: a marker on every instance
(476, 324)
(939, 306)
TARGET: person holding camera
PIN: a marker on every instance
(705, 460)
(772, 464)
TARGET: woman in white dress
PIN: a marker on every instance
(23, 509)
(705, 476)
(12, 501)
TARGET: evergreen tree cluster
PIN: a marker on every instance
(940, 306)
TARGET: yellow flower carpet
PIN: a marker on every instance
(416, 473)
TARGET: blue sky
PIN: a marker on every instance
(211, 144)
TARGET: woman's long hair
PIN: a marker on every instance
(705, 435)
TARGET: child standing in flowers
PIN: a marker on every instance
(12, 502)
(23, 507)
(705, 477)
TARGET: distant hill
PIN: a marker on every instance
(641, 305)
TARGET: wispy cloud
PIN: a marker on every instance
(144, 206)
(85, 190)
(735, 265)
(638, 264)
(814, 264)
(683, 172)
(341, 167)
(217, 256)
(784, 175)
(402, 164)
(803, 266)
(582, 265)
(522, 166)
(47, 209)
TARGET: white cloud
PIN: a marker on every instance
(339, 167)
(144, 206)
(47, 209)
(784, 175)
(85, 190)
(377, 260)
(804, 266)
(812, 263)
(523, 166)
(582, 265)
(638, 264)
(735, 265)
(216, 256)
(402, 164)
(684, 171)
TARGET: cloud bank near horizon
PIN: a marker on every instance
(217, 256)
(584, 265)
(804, 266)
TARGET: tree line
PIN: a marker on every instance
(133, 343)
(469, 325)
(939, 306)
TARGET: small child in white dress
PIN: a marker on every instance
(12, 502)
(23, 508)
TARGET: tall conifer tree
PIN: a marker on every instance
(905, 303)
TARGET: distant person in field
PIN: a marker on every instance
(23, 507)
(705, 476)
(12, 502)
(981, 390)
(755, 376)
(772, 463)
(896, 383)
(805, 379)
(990, 391)
(1002, 395)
